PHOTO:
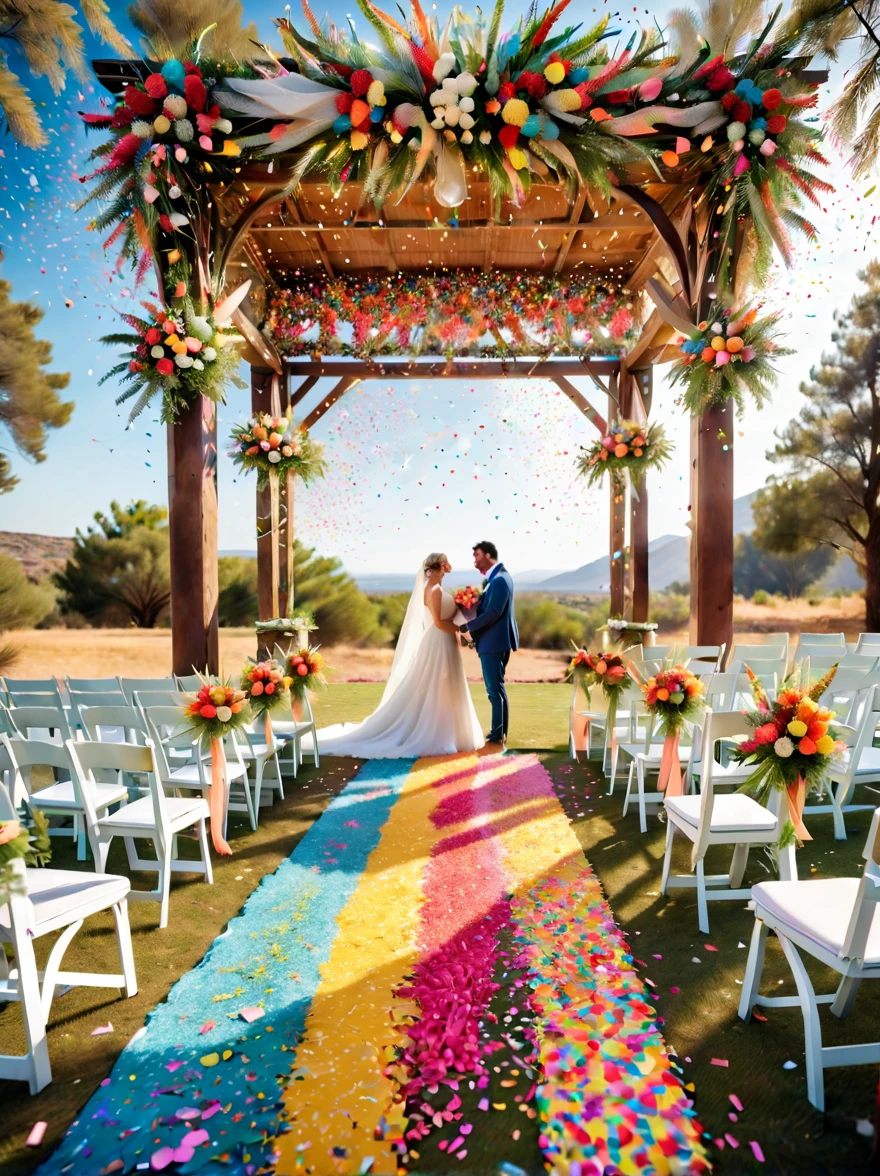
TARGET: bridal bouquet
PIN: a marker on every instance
(674, 697)
(792, 746)
(467, 598)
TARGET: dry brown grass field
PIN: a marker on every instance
(143, 653)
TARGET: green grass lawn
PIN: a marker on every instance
(696, 988)
(538, 710)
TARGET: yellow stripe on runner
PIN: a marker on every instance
(339, 1098)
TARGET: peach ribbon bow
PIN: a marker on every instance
(669, 779)
(218, 795)
(797, 795)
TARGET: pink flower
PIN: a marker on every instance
(747, 354)
(742, 165)
(9, 831)
(767, 733)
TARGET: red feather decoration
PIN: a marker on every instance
(548, 22)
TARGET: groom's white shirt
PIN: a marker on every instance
(494, 568)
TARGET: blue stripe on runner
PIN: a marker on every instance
(175, 1099)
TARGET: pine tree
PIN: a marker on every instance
(29, 400)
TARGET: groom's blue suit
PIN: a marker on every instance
(495, 635)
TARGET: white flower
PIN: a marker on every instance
(717, 328)
(274, 456)
(437, 98)
(174, 192)
(157, 351)
(178, 220)
(224, 714)
(198, 365)
(453, 114)
(443, 65)
(466, 83)
(209, 354)
(466, 137)
(183, 361)
(183, 128)
(466, 104)
(201, 328)
(466, 121)
(142, 129)
(438, 123)
(223, 125)
(783, 747)
(485, 137)
(174, 105)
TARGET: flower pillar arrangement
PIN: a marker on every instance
(791, 748)
(305, 669)
(673, 698)
(588, 671)
(267, 689)
(212, 713)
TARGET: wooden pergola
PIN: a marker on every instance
(640, 233)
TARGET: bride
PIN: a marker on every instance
(426, 708)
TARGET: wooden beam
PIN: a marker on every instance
(617, 526)
(341, 387)
(711, 501)
(639, 558)
(603, 223)
(293, 207)
(646, 338)
(302, 391)
(580, 401)
(574, 221)
(192, 534)
(471, 369)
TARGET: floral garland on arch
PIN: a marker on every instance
(629, 448)
(273, 445)
(727, 356)
(458, 312)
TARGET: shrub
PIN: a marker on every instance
(391, 611)
(546, 624)
(761, 596)
(22, 603)
(669, 610)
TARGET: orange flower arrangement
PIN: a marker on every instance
(305, 668)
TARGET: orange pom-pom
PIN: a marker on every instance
(621, 450)
(734, 344)
(708, 354)
(360, 112)
(669, 158)
(807, 746)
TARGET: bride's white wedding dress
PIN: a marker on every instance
(426, 708)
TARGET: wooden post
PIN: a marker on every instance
(638, 527)
(260, 398)
(712, 527)
(192, 530)
(617, 520)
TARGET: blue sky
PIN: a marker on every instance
(433, 465)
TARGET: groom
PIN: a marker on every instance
(494, 632)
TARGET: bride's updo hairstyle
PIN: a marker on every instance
(435, 561)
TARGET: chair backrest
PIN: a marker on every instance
(189, 682)
(130, 686)
(835, 639)
(855, 941)
(777, 639)
(165, 725)
(90, 760)
(723, 691)
(719, 727)
(31, 692)
(868, 661)
(705, 652)
(98, 719)
(94, 685)
(146, 699)
(26, 754)
(867, 642)
(28, 720)
(761, 653)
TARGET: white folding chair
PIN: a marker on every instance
(147, 698)
(157, 817)
(302, 734)
(32, 692)
(705, 658)
(729, 819)
(837, 922)
(645, 755)
(60, 799)
(130, 686)
(81, 698)
(859, 764)
(50, 901)
(48, 723)
(94, 685)
(165, 731)
(256, 749)
(868, 643)
(189, 682)
(114, 724)
(834, 639)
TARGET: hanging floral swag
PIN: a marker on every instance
(628, 448)
(273, 445)
(727, 356)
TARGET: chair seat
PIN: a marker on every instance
(730, 814)
(61, 897)
(63, 796)
(654, 752)
(820, 909)
(257, 751)
(187, 776)
(140, 813)
(287, 728)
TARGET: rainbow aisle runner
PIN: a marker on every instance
(438, 919)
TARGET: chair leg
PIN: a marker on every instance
(614, 757)
(667, 857)
(205, 851)
(628, 789)
(248, 799)
(32, 1010)
(259, 768)
(702, 904)
(835, 792)
(640, 778)
(738, 865)
(812, 1027)
(277, 763)
(53, 965)
(164, 888)
(754, 969)
(315, 756)
(101, 849)
(787, 864)
(123, 942)
(845, 996)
